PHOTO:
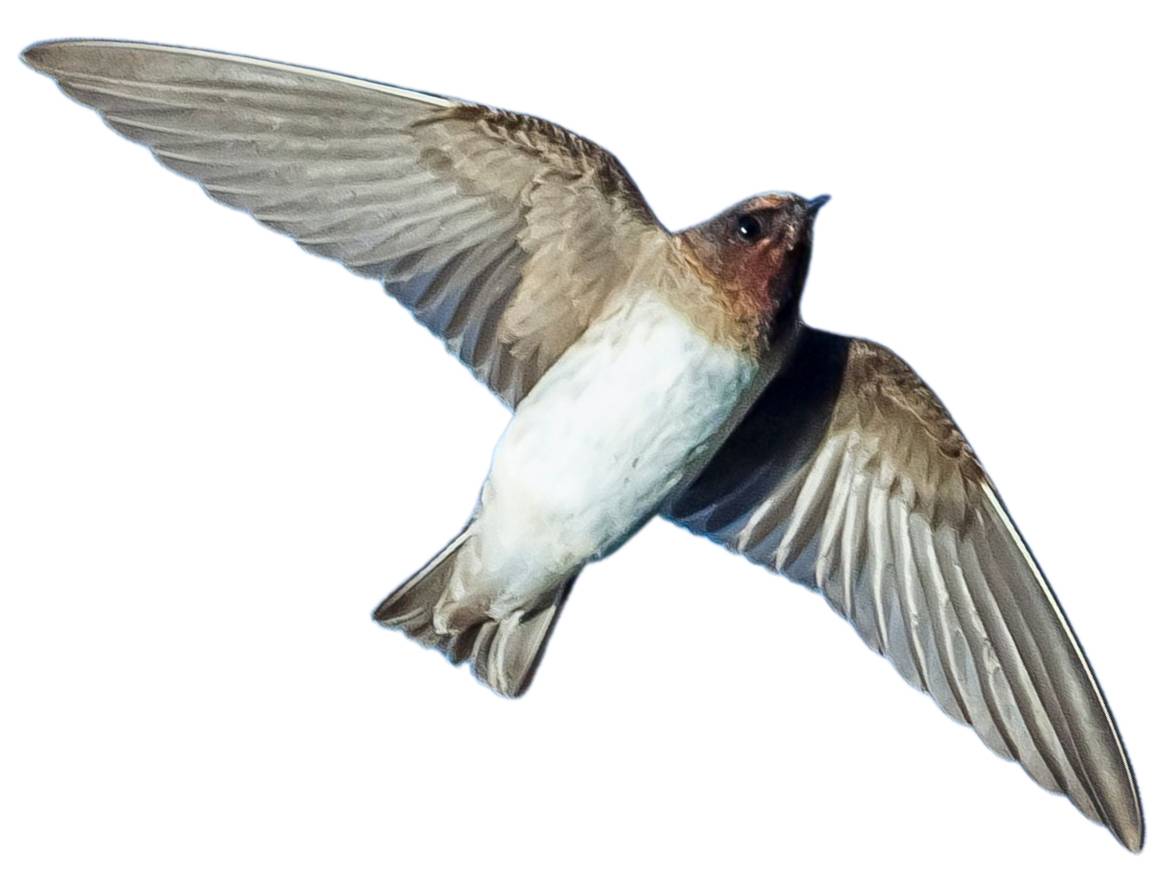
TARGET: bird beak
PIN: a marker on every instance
(814, 204)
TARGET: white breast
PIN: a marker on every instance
(602, 439)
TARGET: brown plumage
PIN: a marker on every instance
(755, 280)
(848, 475)
(518, 243)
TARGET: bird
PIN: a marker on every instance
(650, 373)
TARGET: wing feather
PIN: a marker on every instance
(503, 233)
(848, 475)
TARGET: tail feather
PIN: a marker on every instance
(504, 653)
(410, 608)
(507, 659)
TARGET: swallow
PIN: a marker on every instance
(649, 373)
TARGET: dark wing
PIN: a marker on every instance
(849, 476)
(504, 234)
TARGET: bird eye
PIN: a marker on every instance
(748, 227)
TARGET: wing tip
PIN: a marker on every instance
(1131, 834)
(68, 57)
(36, 55)
(44, 56)
(1130, 828)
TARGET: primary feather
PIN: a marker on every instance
(849, 475)
(504, 234)
(508, 237)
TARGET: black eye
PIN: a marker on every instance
(748, 227)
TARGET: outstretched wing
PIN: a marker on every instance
(848, 475)
(504, 234)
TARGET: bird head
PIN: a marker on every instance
(756, 254)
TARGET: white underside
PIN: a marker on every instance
(596, 447)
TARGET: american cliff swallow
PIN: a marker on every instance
(651, 373)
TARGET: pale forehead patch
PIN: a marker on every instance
(767, 200)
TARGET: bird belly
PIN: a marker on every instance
(601, 440)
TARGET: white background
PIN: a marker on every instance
(217, 454)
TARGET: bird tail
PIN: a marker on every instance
(504, 653)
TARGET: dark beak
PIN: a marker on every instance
(813, 205)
